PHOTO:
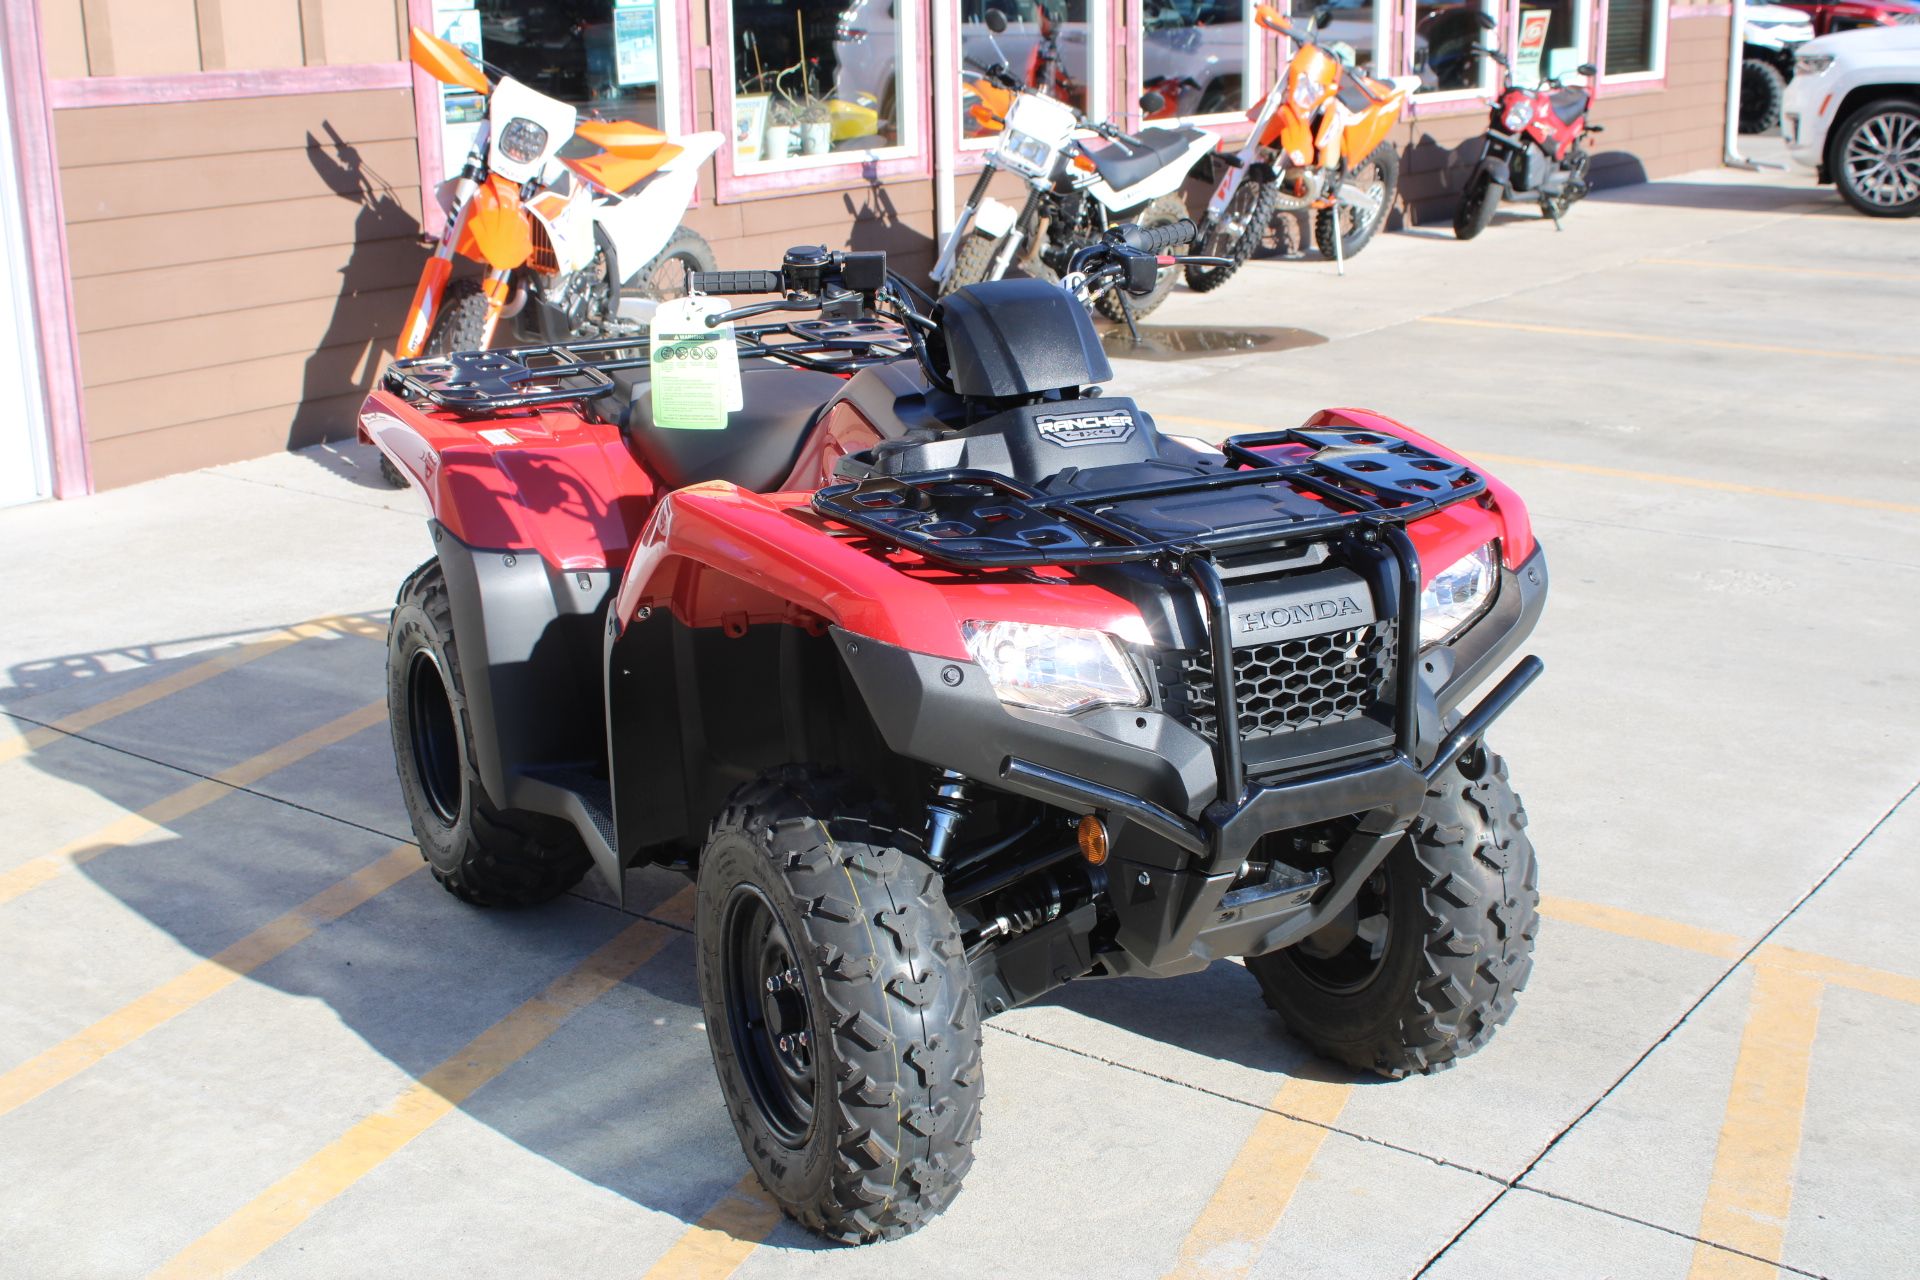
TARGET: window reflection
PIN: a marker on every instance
(599, 54)
(1024, 48)
(1444, 39)
(1194, 55)
(815, 77)
(1353, 24)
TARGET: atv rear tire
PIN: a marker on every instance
(391, 474)
(1477, 206)
(1763, 91)
(1428, 966)
(461, 322)
(483, 855)
(1166, 209)
(1251, 209)
(1382, 168)
(842, 1015)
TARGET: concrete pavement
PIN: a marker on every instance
(241, 1032)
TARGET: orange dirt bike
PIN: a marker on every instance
(1319, 142)
(571, 248)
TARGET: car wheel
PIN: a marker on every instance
(1875, 159)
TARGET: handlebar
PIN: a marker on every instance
(1161, 238)
(730, 282)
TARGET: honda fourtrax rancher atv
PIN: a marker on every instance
(950, 678)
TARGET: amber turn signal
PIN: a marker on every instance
(1093, 840)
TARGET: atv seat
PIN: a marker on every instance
(1570, 104)
(1134, 157)
(757, 448)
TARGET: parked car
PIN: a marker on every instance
(1769, 37)
(1833, 16)
(1853, 115)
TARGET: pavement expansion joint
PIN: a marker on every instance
(313, 493)
(1732, 968)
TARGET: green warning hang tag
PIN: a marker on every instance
(695, 367)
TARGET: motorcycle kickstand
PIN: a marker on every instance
(1548, 208)
(1126, 313)
(1339, 241)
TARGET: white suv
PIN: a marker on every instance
(1853, 114)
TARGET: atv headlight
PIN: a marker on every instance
(1812, 64)
(1457, 595)
(1053, 668)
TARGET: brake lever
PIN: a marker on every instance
(809, 303)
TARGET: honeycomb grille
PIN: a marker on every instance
(1296, 684)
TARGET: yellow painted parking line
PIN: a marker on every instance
(1619, 473)
(1253, 1197)
(1772, 268)
(1842, 973)
(123, 831)
(1631, 924)
(267, 1219)
(1751, 1190)
(1668, 340)
(154, 690)
(208, 978)
(726, 1235)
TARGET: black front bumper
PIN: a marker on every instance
(1182, 814)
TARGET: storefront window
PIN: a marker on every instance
(1445, 35)
(602, 55)
(813, 79)
(1049, 45)
(1552, 40)
(1354, 24)
(1196, 54)
(1633, 28)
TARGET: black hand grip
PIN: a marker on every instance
(1156, 239)
(736, 282)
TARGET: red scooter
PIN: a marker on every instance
(949, 679)
(1531, 148)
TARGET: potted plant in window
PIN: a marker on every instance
(816, 127)
(782, 122)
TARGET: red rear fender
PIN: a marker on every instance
(548, 482)
(721, 556)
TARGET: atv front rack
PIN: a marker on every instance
(476, 383)
(1320, 483)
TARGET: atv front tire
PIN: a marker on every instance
(482, 854)
(1167, 209)
(1428, 964)
(842, 1015)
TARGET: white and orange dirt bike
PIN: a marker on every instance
(570, 248)
(1320, 143)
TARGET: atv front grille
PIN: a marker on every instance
(1296, 684)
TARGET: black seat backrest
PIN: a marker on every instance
(757, 448)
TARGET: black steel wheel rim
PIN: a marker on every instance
(1347, 955)
(769, 1019)
(434, 736)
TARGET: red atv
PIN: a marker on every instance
(950, 678)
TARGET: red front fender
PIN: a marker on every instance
(721, 556)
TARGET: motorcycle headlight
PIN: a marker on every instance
(522, 140)
(1058, 669)
(1458, 595)
(1812, 64)
(1306, 92)
(1519, 115)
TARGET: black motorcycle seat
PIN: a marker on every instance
(1570, 104)
(1133, 158)
(757, 448)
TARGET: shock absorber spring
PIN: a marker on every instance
(1023, 907)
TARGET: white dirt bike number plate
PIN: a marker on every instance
(695, 368)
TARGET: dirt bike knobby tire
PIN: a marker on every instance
(462, 319)
(970, 264)
(890, 1002)
(1387, 156)
(1466, 909)
(1207, 279)
(481, 854)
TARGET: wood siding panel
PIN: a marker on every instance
(344, 32)
(235, 297)
(139, 187)
(141, 37)
(215, 235)
(137, 352)
(107, 135)
(63, 33)
(246, 35)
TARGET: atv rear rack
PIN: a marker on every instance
(476, 383)
(1327, 482)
